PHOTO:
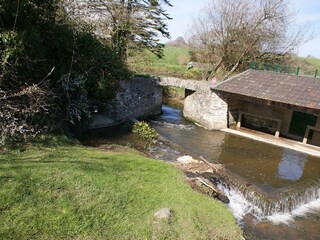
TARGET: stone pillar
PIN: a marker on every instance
(207, 109)
(316, 134)
(286, 121)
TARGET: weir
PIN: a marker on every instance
(281, 207)
(281, 142)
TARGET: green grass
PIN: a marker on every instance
(173, 64)
(314, 61)
(75, 192)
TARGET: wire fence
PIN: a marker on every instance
(284, 69)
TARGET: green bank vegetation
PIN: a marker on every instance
(176, 58)
(61, 190)
(314, 61)
(173, 63)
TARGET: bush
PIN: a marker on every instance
(145, 130)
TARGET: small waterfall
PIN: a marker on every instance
(283, 209)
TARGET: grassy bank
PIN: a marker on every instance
(173, 64)
(75, 192)
(175, 60)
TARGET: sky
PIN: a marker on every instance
(184, 12)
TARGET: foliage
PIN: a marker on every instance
(65, 66)
(75, 98)
(23, 112)
(73, 192)
(230, 33)
(126, 24)
(144, 130)
(174, 92)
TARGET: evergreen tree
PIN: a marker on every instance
(126, 24)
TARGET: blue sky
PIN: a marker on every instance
(185, 11)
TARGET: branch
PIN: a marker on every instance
(16, 17)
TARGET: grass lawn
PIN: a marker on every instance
(76, 192)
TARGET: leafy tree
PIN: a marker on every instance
(231, 32)
(126, 24)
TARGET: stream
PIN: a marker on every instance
(274, 192)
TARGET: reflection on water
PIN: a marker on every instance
(291, 165)
(267, 166)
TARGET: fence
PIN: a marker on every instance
(283, 69)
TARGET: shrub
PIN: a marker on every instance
(145, 130)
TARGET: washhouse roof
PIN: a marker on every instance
(284, 88)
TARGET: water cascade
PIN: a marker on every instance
(283, 209)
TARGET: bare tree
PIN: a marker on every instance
(232, 32)
(126, 23)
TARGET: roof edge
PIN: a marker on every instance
(229, 79)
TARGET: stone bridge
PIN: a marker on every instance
(142, 97)
(201, 104)
(192, 85)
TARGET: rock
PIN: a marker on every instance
(223, 198)
(163, 213)
(187, 159)
(102, 121)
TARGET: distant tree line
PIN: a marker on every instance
(55, 67)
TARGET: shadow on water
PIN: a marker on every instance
(275, 192)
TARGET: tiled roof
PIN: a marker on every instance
(277, 87)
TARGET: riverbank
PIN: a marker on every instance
(67, 191)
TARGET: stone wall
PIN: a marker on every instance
(207, 109)
(135, 98)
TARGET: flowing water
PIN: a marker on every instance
(274, 192)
